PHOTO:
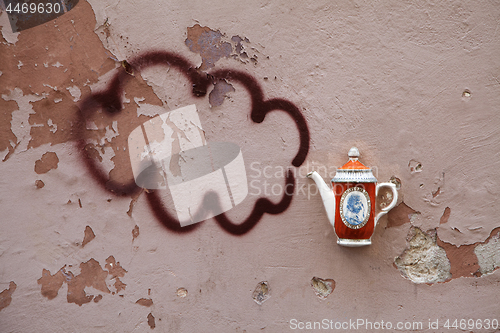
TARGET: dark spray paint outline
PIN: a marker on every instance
(109, 100)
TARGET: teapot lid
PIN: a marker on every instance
(354, 171)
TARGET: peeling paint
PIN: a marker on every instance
(208, 43)
(349, 50)
(51, 283)
(423, 261)
(433, 198)
(88, 236)
(7, 34)
(213, 45)
(119, 285)
(145, 302)
(488, 254)
(52, 126)
(399, 215)
(135, 232)
(116, 271)
(463, 260)
(44, 45)
(239, 47)
(48, 162)
(91, 275)
(6, 295)
(75, 92)
(133, 201)
(219, 93)
(147, 109)
(445, 216)
(20, 118)
(151, 321)
(8, 140)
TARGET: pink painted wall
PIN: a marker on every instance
(414, 86)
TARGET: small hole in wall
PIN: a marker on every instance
(182, 292)
(421, 185)
(466, 95)
(396, 181)
(261, 292)
(415, 166)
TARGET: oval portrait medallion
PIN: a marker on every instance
(355, 207)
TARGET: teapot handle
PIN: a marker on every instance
(385, 210)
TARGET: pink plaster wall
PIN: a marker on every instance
(415, 86)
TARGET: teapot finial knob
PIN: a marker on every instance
(353, 153)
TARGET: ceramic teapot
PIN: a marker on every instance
(354, 192)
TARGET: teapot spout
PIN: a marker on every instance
(326, 194)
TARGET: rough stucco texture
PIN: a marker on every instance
(415, 86)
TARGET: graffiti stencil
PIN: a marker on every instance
(110, 101)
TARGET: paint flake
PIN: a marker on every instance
(89, 235)
(219, 93)
(208, 43)
(135, 232)
(48, 162)
(119, 285)
(151, 321)
(114, 268)
(91, 275)
(75, 92)
(145, 302)
(51, 283)
(6, 295)
(399, 215)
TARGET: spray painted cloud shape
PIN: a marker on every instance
(110, 102)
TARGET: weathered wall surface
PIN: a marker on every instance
(295, 85)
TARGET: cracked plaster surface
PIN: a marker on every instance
(424, 261)
(488, 254)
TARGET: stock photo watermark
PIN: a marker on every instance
(363, 324)
(266, 179)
